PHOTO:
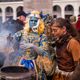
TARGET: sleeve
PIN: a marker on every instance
(18, 36)
(74, 48)
(16, 40)
(43, 45)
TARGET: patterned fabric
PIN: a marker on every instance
(38, 46)
(45, 63)
(33, 44)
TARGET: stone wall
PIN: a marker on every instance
(40, 5)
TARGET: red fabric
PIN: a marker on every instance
(78, 24)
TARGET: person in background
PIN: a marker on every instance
(78, 24)
(21, 17)
(12, 26)
(67, 49)
(73, 21)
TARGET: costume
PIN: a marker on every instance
(33, 45)
(67, 55)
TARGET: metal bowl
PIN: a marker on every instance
(17, 73)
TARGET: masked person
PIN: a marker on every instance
(67, 49)
(33, 47)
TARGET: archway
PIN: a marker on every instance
(20, 8)
(56, 11)
(69, 11)
(9, 13)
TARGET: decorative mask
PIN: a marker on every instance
(35, 23)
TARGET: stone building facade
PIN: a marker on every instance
(9, 8)
(66, 8)
(58, 8)
(40, 5)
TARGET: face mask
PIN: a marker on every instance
(34, 23)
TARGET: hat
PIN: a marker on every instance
(21, 13)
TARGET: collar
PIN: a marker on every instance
(63, 39)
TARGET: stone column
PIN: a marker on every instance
(76, 11)
(3, 15)
(62, 12)
(14, 13)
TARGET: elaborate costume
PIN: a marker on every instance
(33, 46)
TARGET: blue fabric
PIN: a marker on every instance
(27, 63)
